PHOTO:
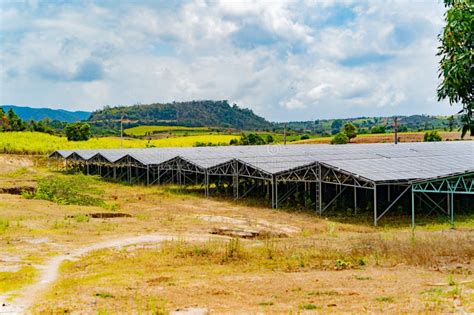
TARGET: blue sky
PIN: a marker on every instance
(286, 60)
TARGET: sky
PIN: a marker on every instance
(285, 60)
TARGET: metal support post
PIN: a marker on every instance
(375, 205)
(148, 175)
(412, 208)
(355, 200)
(276, 194)
(452, 209)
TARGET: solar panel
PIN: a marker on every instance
(377, 162)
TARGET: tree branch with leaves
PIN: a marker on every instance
(456, 67)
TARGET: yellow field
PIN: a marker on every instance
(143, 130)
(41, 143)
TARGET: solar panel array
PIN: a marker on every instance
(377, 162)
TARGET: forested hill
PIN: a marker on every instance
(193, 114)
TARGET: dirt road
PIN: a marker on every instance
(49, 272)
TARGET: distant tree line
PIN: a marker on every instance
(374, 125)
(77, 131)
(10, 121)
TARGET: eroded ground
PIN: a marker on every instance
(152, 251)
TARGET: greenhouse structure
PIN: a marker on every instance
(438, 176)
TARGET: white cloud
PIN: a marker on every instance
(373, 58)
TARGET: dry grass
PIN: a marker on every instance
(333, 266)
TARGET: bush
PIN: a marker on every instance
(340, 138)
(70, 190)
(251, 139)
(431, 136)
(304, 137)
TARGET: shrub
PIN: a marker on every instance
(432, 136)
(70, 190)
(340, 138)
(304, 137)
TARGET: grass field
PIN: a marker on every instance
(41, 143)
(56, 257)
(141, 131)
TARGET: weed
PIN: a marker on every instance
(436, 291)
(451, 281)
(61, 224)
(4, 224)
(266, 303)
(319, 293)
(104, 295)
(270, 248)
(233, 249)
(341, 264)
(309, 306)
(80, 218)
(387, 299)
(332, 229)
(363, 278)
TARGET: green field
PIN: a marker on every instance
(42, 143)
(141, 131)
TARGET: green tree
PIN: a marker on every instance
(78, 131)
(457, 59)
(451, 123)
(378, 129)
(336, 126)
(340, 138)
(251, 139)
(15, 122)
(350, 131)
(431, 136)
(3, 120)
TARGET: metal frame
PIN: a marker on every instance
(462, 184)
(279, 184)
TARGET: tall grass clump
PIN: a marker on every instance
(67, 190)
(4, 224)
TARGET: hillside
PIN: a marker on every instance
(191, 114)
(29, 113)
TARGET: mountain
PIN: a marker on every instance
(29, 113)
(192, 114)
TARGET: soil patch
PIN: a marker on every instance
(17, 190)
(104, 215)
(246, 233)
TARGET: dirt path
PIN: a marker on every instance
(49, 272)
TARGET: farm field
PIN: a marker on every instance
(42, 143)
(116, 248)
(388, 137)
